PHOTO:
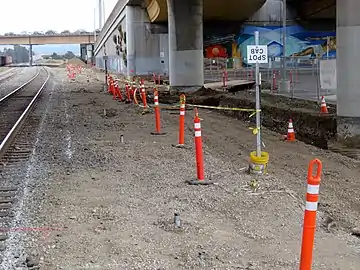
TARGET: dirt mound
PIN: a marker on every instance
(76, 62)
(204, 92)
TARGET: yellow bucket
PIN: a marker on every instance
(258, 165)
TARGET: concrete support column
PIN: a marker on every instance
(131, 20)
(30, 55)
(348, 65)
(89, 54)
(186, 59)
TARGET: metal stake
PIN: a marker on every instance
(257, 91)
(283, 59)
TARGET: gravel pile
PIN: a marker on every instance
(104, 204)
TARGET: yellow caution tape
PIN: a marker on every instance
(226, 108)
(254, 130)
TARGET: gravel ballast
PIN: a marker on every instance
(104, 204)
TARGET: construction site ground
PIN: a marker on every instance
(111, 205)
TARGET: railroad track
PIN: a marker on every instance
(14, 111)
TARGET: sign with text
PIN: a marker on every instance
(257, 54)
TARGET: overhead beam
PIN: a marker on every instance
(41, 40)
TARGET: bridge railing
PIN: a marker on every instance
(48, 35)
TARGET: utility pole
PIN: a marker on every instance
(283, 87)
(100, 9)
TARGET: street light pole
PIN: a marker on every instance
(283, 59)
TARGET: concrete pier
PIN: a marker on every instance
(186, 60)
(348, 79)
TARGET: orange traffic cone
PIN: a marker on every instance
(291, 134)
(323, 108)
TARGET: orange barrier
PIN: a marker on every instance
(323, 108)
(198, 146)
(199, 154)
(134, 96)
(312, 198)
(274, 86)
(128, 94)
(182, 120)
(291, 133)
(156, 80)
(181, 143)
(109, 84)
(157, 114)
(133, 87)
(225, 77)
(143, 93)
(113, 89)
(118, 91)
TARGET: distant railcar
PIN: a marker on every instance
(2, 61)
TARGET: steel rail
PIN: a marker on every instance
(8, 96)
(4, 146)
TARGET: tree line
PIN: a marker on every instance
(19, 54)
(68, 55)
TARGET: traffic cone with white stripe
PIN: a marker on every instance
(290, 134)
(199, 154)
(311, 207)
(323, 108)
(157, 114)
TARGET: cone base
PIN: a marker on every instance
(158, 133)
(200, 182)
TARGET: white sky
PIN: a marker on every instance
(42, 15)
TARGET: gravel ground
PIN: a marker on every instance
(22, 75)
(98, 203)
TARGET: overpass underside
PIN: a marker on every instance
(166, 36)
(225, 10)
(137, 50)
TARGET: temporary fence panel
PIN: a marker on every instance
(328, 80)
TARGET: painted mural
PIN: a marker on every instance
(300, 43)
(119, 63)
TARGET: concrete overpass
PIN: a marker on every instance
(86, 40)
(310, 10)
(47, 39)
(130, 32)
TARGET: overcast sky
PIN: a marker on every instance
(42, 15)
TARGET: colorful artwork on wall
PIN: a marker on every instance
(118, 60)
(300, 42)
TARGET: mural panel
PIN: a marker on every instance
(118, 62)
(300, 42)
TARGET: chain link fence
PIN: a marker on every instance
(302, 75)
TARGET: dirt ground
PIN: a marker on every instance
(103, 204)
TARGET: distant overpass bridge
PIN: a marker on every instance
(47, 39)
(85, 41)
